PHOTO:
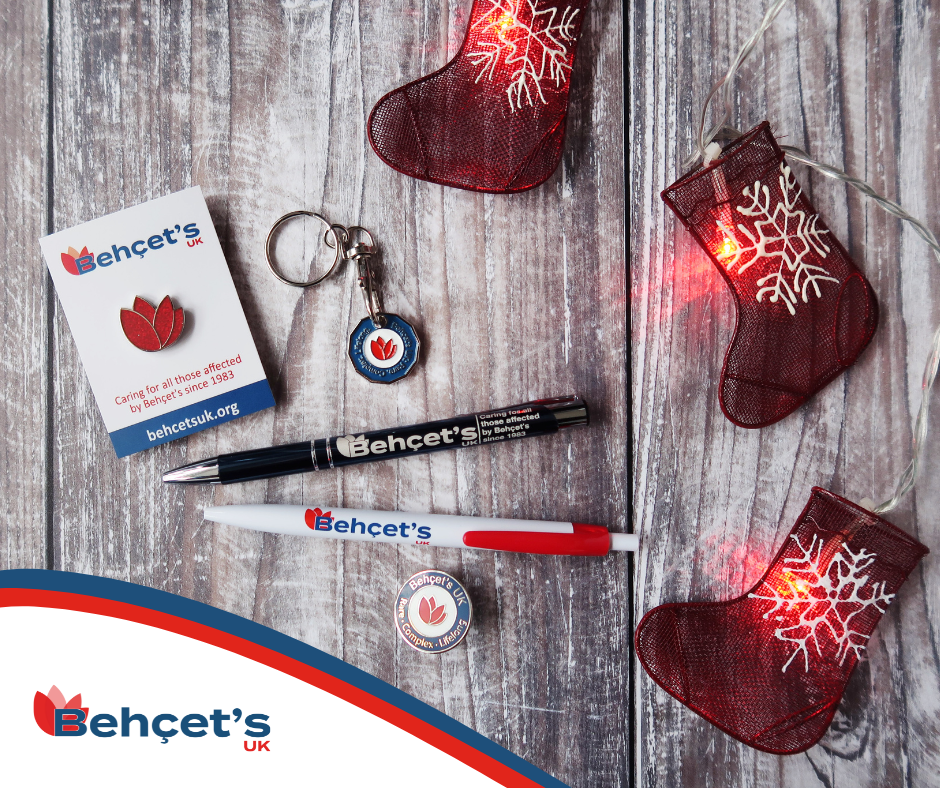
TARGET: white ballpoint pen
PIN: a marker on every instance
(433, 530)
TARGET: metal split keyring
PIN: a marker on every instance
(360, 252)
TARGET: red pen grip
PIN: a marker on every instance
(586, 540)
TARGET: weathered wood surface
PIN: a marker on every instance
(263, 104)
(856, 85)
(25, 290)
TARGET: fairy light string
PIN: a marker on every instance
(706, 149)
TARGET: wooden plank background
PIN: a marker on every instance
(25, 291)
(855, 84)
(263, 104)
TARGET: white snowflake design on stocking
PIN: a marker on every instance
(531, 43)
(785, 235)
(826, 600)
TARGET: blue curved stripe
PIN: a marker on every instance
(200, 613)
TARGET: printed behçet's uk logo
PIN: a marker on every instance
(76, 262)
(46, 707)
(84, 262)
(312, 518)
(318, 520)
(57, 717)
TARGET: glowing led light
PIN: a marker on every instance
(726, 250)
(816, 600)
(799, 588)
(782, 233)
(529, 44)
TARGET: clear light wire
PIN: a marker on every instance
(725, 84)
(721, 127)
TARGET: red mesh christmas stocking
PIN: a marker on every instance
(769, 667)
(493, 119)
(804, 311)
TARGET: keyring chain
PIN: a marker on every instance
(362, 254)
(384, 347)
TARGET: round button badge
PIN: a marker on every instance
(433, 612)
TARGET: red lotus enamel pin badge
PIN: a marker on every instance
(150, 327)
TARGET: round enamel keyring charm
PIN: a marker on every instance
(385, 353)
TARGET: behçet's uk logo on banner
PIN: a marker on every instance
(58, 718)
(50, 710)
(161, 691)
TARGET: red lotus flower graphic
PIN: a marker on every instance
(76, 262)
(383, 349)
(152, 328)
(311, 515)
(430, 613)
(44, 708)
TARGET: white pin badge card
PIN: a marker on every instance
(153, 310)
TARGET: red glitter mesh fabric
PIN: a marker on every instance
(769, 667)
(804, 311)
(493, 119)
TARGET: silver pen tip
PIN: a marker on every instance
(206, 471)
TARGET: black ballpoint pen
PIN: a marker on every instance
(541, 417)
